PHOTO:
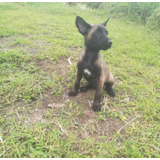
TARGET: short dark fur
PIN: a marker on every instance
(91, 64)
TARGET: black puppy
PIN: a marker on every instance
(91, 64)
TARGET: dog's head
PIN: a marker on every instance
(95, 36)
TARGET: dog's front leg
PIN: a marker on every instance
(97, 98)
(76, 85)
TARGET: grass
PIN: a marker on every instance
(36, 39)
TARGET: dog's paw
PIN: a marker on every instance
(111, 93)
(96, 107)
(72, 93)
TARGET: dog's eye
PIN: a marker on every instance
(98, 34)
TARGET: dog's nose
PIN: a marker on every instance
(110, 43)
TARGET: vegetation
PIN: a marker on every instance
(146, 12)
(38, 119)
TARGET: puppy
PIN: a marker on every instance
(91, 65)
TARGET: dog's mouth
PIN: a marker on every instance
(107, 45)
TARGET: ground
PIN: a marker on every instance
(38, 118)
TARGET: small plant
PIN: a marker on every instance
(154, 20)
(93, 5)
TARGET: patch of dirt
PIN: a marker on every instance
(30, 50)
(36, 115)
(75, 49)
(60, 68)
(6, 44)
(94, 127)
(4, 41)
(88, 119)
(45, 65)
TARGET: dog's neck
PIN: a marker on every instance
(91, 53)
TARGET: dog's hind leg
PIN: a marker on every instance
(109, 86)
(109, 89)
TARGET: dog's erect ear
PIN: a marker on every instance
(105, 23)
(82, 25)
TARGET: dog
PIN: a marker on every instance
(91, 65)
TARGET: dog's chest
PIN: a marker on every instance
(87, 66)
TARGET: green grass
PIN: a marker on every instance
(36, 39)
